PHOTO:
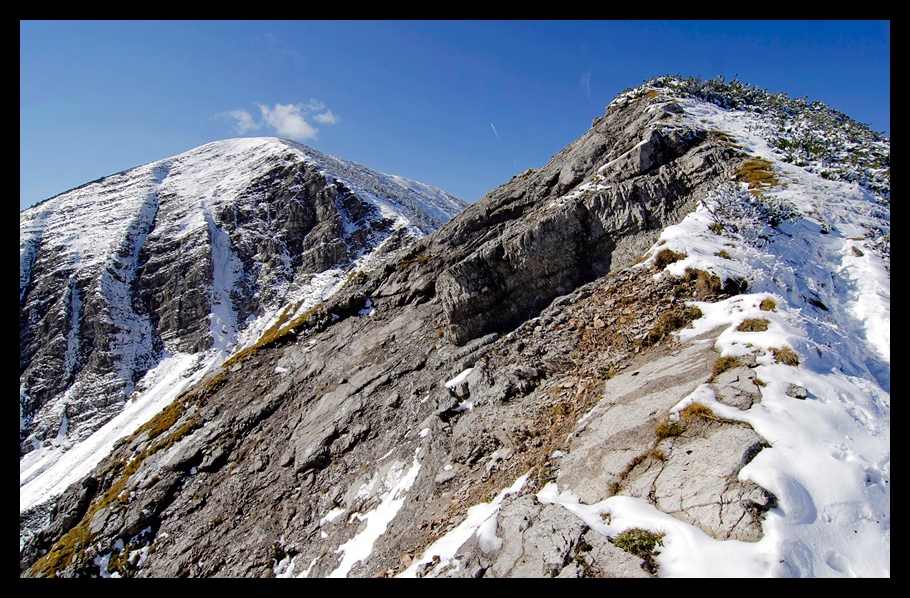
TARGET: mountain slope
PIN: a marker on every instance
(135, 285)
(666, 352)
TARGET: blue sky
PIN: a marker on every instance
(460, 105)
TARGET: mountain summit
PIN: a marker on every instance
(135, 285)
(666, 352)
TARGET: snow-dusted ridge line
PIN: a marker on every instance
(815, 251)
(810, 135)
(380, 188)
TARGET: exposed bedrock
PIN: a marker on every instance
(594, 208)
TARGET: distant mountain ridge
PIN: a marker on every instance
(181, 256)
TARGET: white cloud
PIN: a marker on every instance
(286, 120)
(244, 120)
(327, 118)
(585, 83)
(278, 45)
(313, 106)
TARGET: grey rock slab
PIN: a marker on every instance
(737, 387)
(698, 481)
(631, 401)
(693, 476)
(537, 540)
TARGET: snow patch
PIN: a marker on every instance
(458, 379)
(477, 521)
(360, 546)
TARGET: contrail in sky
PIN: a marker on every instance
(495, 133)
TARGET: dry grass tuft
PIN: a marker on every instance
(668, 429)
(753, 325)
(665, 257)
(420, 259)
(786, 356)
(722, 365)
(671, 321)
(696, 411)
(705, 282)
(657, 455)
(758, 173)
(768, 305)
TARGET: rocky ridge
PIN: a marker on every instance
(529, 342)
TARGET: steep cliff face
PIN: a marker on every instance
(186, 256)
(510, 396)
(595, 207)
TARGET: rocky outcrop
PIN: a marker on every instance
(688, 469)
(594, 208)
(539, 540)
(81, 335)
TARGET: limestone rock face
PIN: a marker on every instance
(363, 433)
(595, 207)
(692, 475)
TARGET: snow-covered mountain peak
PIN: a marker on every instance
(177, 263)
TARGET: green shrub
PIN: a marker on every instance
(640, 542)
